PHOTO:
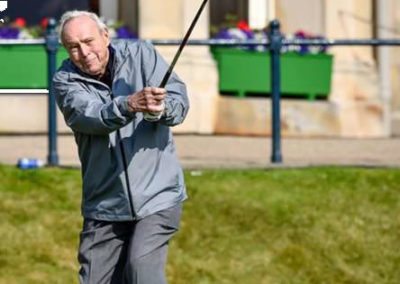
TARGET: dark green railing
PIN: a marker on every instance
(274, 44)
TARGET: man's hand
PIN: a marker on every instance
(148, 100)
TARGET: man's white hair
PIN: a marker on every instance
(67, 16)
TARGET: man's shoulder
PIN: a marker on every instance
(132, 47)
(65, 68)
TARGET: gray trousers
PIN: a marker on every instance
(132, 252)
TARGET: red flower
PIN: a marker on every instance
(302, 34)
(243, 26)
(44, 22)
(20, 22)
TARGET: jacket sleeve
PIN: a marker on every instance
(85, 111)
(154, 68)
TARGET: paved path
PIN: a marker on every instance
(207, 151)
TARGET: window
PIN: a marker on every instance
(222, 9)
(128, 14)
(94, 6)
(43, 8)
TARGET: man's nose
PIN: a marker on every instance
(84, 50)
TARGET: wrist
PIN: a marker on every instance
(131, 104)
(154, 116)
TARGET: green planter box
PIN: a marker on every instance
(25, 67)
(245, 73)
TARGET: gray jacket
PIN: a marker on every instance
(95, 113)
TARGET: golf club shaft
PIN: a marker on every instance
(182, 45)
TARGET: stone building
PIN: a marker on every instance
(365, 94)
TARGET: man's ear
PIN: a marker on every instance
(106, 35)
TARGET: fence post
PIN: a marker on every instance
(51, 49)
(275, 39)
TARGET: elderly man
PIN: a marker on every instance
(133, 185)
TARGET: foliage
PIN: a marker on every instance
(308, 226)
(18, 29)
(240, 30)
(118, 29)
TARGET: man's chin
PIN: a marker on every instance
(94, 73)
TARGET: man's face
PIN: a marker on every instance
(86, 45)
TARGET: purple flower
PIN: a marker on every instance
(9, 32)
(125, 32)
(304, 48)
(249, 34)
(239, 34)
(234, 33)
(223, 34)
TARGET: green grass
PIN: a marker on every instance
(315, 225)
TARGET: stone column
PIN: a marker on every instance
(355, 84)
(170, 20)
(395, 69)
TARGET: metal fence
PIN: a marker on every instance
(274, 43)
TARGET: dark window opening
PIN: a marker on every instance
(129, 14)
(227, 13)
(43, 9)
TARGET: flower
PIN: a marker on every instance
(241, 31)
(304, 49)
(242, 25)
(20, 22)
(124, 32)
(44, 23)
(18, 29)
(119, 30)
(9, 32)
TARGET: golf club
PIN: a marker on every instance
(149, 116)
(154, 117)
(182, 45)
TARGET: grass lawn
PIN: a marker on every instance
(315, 225)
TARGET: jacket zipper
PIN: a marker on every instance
(122, 148)
(125, 164)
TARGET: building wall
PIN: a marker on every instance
(355, 107)
(307, 15)
(355, 83)
(21, 112)
(195, 66)
(393, 31)
(356, 88)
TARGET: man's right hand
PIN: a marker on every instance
(148, 100)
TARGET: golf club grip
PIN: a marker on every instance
(182, 45)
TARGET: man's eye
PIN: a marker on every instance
(73, 48)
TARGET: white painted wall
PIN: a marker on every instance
(258, 13)
(261, 12)
(307, 15)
